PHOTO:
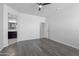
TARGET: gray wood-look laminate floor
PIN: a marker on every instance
(39, 47)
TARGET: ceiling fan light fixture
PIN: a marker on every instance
(42, 4)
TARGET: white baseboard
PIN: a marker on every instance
(65, 43)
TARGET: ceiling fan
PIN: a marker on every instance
(42, 4)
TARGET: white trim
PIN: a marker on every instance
(12, 21)
(5, 26)
(64, 43)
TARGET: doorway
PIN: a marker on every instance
(43, 30)
(12, 28)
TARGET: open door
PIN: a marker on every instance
(44, 30)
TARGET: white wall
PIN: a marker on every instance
(1, 26)
(29, 26)
(63, 23)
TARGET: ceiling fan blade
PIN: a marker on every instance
(46, 3)
(43, 3)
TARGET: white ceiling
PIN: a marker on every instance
(29, 8)
(32, 8)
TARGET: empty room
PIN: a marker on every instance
(39, 29)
